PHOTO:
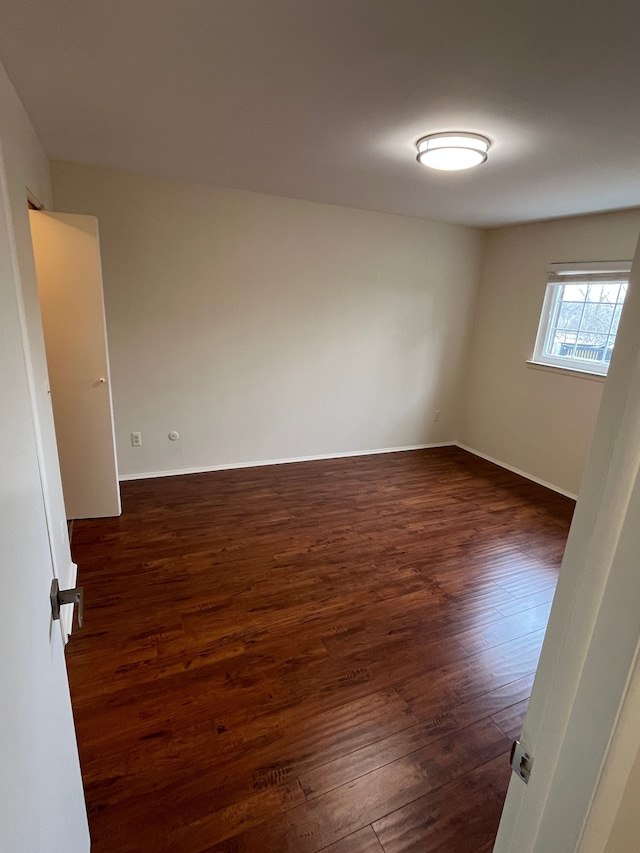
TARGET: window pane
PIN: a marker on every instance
(561, 344)
(604, 292)
(590, 347)
(569, 315)
(575, 292)
(587, 338)
(566, 349)
(616, 319)
(597, 317)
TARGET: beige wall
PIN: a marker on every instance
(265, 328)
(539, 422)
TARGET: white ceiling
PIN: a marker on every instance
(324, 99)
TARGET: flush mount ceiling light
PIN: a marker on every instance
(453, 151)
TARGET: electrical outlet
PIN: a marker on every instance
(136, 439)
(436, 416)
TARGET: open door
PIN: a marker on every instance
(41, 798)
(582, 728)
(68, 268)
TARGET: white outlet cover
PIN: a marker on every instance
(173, 435)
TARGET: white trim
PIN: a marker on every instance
(518, 471)
(569, 371)
(228, 466)
(66, 611)
(590, 267)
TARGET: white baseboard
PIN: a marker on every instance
(147, 475)
(230, 466)
(517, 471)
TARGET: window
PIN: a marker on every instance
(580, 315)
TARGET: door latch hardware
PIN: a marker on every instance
(66, 596)
(521, 761)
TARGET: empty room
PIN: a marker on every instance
(321, 385)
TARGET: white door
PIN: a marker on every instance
(583, 723)
(67, 257)
(41, 799)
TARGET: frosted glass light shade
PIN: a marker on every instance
(451, 152)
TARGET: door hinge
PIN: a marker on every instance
(521, 761)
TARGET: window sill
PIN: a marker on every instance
(567, 371)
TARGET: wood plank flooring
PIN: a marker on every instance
(328, 656)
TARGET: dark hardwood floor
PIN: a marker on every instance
(330, 656)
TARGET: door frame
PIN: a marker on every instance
(68, 267)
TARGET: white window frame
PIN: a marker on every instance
(567, 273)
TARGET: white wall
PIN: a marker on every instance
(537, 421)
(266, 328)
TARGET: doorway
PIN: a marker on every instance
(68, 270)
